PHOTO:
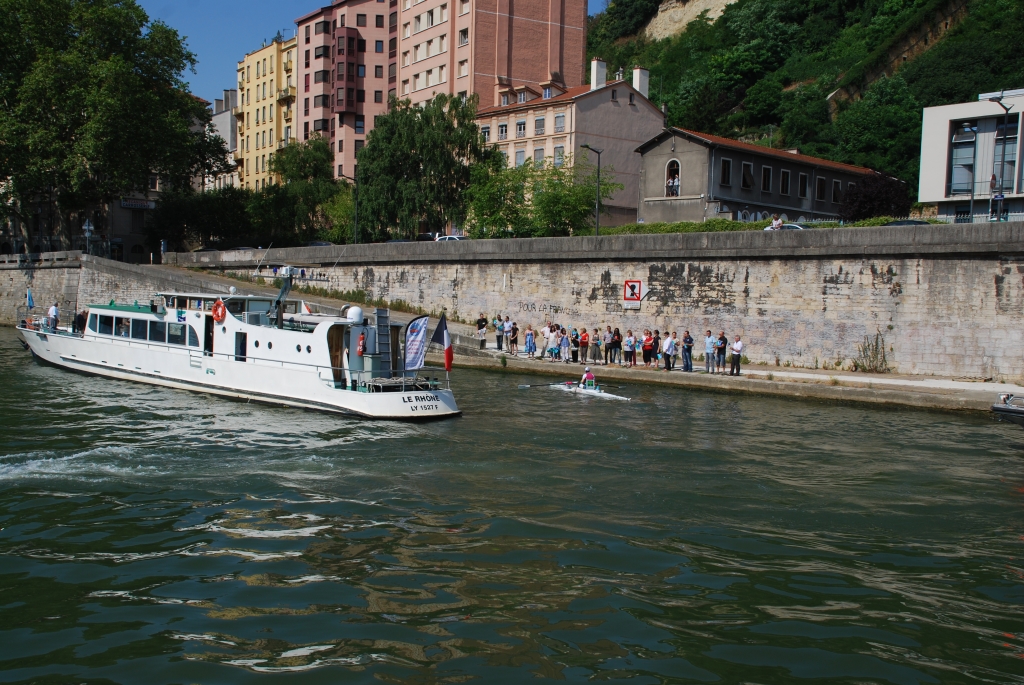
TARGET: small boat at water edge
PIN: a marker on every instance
(1010, 408)
(257, 348)
(588, 391)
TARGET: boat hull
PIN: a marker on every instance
(190, 369)
(1011, 413)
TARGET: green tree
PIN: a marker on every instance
(882, 131)
(416, 166)
(564, 195)
(339, 211)
(307, 173)
(498, 199)
(93, 104)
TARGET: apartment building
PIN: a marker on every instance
(491, 48)
(550, 122)
(265, 110)
(342, 61)
(224, 124)
(716, 177)
(354, 54)
(969, 158)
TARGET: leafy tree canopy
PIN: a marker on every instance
(416, 165)
(94, 103)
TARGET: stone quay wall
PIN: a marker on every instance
(948, 300)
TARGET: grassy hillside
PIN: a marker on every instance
(762, 71)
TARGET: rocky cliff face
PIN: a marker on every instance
(674, 15)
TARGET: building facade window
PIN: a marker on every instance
(378, 70)
(464, 68)
(378, 46)
(747, 175)
(379, 21)
(520, 157)
(521, 129)
(522, 96)
(1005, 139)
(725, 174)
(485, 132)
(502, 131)
(837, 192)
(801, 186)
(538, 156)
(559, 123)
(547, 93)
(961, 172)
(360, 20)
(360, 127)
(784, 182)
(504, 99)
(538, 126)
(766, 179)
(559, 155)
(463, 37)
(819, 189)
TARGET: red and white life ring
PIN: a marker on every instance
(220, 312)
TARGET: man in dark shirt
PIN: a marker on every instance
(720, 345)
(656, 348)
(481, 330)
(687, 352)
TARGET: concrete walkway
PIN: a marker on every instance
(931, 392)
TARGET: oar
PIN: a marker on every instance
(545, 385)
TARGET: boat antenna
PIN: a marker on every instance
(256, 271)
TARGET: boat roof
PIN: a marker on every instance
(131, 308)
(219, 296)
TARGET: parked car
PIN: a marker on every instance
(445, 238)
(789, 227)
(426, 237)
(907, 222)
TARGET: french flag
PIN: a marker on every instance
(442, 338)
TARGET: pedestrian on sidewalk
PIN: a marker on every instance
(584, 344)
(574, 341)
(595, 347)
(668, 351)
(481, 330)
(646, 347)
(513, 340)
(617, 347)
(552, 344)
(709, 353)
(687, 352)
(737, 354)
(656, 349)
(531, 341)
(606, 343)
(542, 340)
(506, 327)
(720, 347)
(629, 346)
(563, 346)
(499, 331)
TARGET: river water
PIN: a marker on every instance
(151, 535)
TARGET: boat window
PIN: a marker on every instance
(158, 331)
(175, 334)
(170, 301)
(139, 329)
(195, 304)
(236, 306)
(182, 303)
(291, 307)
(122, 327)
(259, 305)
(106, 325)
(92, 323)
(193, 339)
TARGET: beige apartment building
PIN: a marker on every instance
(549, 123)
(264, 114)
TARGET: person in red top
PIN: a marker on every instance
(648, 347)
(584, 344)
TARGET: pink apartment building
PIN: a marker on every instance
(353, 54)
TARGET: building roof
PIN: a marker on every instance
(720, 141)
(574, 93)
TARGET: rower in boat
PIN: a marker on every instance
(588, 380)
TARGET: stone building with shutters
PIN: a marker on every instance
(728, 179)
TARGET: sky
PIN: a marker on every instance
(221, 32)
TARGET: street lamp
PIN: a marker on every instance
(597, 202)
(1002, 157)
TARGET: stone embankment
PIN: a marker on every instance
(949, 300)
(946, 300)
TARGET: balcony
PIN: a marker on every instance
(538, 131)
(284, 142)
(237, 154)
(287, 114)
(285, 94)
(559, 129)
(502, 135)
(520, 134)
(238, 112)
(288, 65)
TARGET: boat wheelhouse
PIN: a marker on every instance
(275, 350)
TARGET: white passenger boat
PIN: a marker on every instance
(251, 347)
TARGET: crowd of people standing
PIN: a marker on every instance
(556, 343)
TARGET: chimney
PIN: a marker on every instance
(641, 80)
(598, 73)
(218, 106)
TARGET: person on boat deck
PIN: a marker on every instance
(123, 329)
(587, 376)
(53, 314)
